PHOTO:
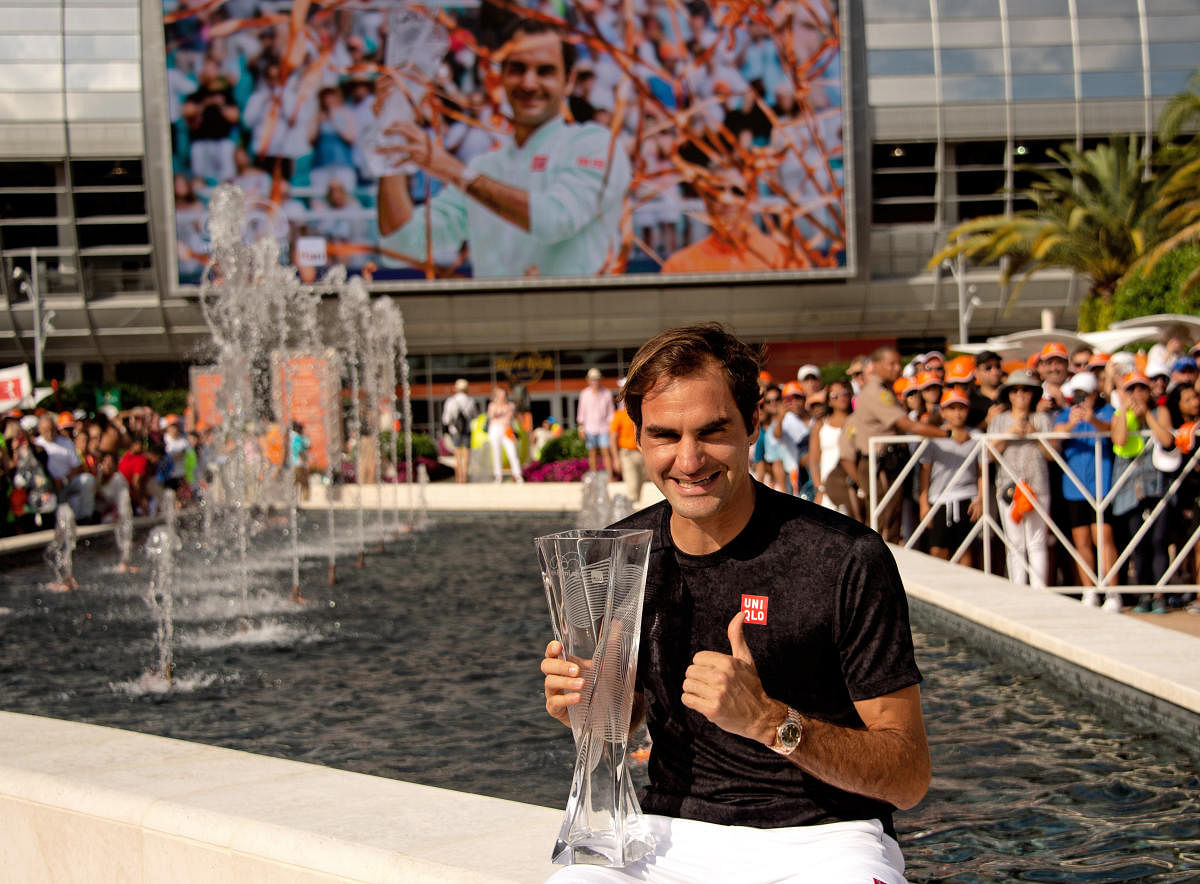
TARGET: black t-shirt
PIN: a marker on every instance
(836, 631)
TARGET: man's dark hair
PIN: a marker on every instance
(680, 352)
(532, 26)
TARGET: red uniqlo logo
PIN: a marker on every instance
(538, 164)
(755, 607)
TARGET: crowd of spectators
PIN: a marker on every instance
(285, 115)
(1103, 415)
(88, 460)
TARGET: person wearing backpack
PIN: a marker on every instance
(457, 414)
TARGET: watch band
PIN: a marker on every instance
(789, 734)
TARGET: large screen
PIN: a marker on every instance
(602, 140)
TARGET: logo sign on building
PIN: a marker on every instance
(524, 367)
(15, 386)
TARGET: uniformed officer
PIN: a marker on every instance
(877, 413)
(546, 203)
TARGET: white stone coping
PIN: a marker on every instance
(92, 804)
(1161, 662)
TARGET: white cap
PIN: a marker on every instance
(1083, 382)
(808, 371)
(109, 410)
(29, 423)
(1123, 361)
(1157, 370)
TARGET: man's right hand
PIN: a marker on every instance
(563, 682)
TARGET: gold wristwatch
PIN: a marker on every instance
(789, 734)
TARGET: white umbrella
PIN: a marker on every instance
(1115, 338)
(1162, 321)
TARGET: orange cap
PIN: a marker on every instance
(927, 379)
(792, 388)
(1011, 365)
(65, 420)
(1133, 379)
(1053, 350)
(902, 385)
(954, 397)
(1032, 361)
(1185, 437)
(764, 377)
(1099, 360)
(960, 370)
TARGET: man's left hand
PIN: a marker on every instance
(422, 148)
(725, 689)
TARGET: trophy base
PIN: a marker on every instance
(600, 854)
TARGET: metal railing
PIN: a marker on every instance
(984, 456)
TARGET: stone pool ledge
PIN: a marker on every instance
(1149, 675)
(82, 803)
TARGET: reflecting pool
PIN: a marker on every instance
(422, 666)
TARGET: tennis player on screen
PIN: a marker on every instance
(547, 202)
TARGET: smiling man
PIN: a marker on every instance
(547, 203)
(776, 672)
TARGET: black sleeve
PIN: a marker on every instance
(874, 635)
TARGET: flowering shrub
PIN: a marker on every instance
(556, 471)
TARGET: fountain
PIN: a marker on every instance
(595, 509)
(60, 554)
(161, 546)
(123, 530)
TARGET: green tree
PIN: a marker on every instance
(1162, 288)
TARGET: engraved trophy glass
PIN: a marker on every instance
(595, 581)
(413, 50)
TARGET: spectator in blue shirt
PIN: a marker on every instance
(1088, 418)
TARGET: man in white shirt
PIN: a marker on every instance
(548, 203)
(73, 483)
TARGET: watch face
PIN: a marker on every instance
(789, 734)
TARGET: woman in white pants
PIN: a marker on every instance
(500, 417)
(1025, 459)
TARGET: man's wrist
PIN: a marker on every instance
(467, 177)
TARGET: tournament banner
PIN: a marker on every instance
(305, 388)
(205, 384)
(15, 387)
(697, 141)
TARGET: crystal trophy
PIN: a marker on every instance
(413, 51)
(595, 581)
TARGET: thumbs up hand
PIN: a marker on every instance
(725, 689)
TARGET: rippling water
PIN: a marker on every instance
(423, 667)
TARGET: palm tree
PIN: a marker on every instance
(1094, 216)
(1105, 213)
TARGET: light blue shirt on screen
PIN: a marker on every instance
(576, 191)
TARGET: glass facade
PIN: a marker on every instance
(956, 96)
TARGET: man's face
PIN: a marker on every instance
(989, 372)
(1053, 369)
(696, 446)
(534, 79)
(811, 385)
(47, 428)
(888, 368)
(795, 404)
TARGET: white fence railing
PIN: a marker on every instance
(984, 456)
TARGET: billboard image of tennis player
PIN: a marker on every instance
(513, 140)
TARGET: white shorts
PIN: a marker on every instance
(691, 851)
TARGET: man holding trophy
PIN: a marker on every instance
(776, 671)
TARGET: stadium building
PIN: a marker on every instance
(943, 100)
